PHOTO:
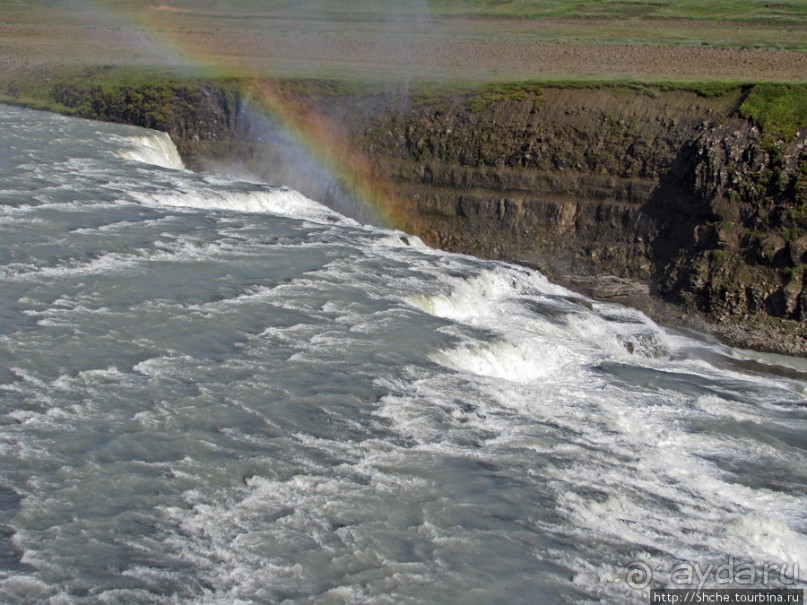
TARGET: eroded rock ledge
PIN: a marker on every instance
(668, 191)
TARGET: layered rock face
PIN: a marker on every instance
(672, 190)
(666, 189)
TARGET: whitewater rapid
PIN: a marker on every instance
(220, 391)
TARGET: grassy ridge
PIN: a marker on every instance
(785, 11)
(758, 23)
(778, 109)
(67, 90)
(781, 11)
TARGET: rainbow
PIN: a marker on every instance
(322, 140)
(328, 145)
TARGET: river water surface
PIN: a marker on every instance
(219, 391)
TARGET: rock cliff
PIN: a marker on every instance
(671, 189)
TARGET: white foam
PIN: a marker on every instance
(662, 467)
(770, 538)
(108, 263)
(537, 329)
(121, 226)
(631, 333)
(480, 298)
(25, 589)
(522, 362)
(158, 367)
(156, 149)
(281, 202)
(660, 463)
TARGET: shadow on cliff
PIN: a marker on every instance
(682, 233)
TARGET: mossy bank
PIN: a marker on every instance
(695, 194)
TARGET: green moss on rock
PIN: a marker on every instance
(780, 110)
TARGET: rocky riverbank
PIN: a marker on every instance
(670, 192)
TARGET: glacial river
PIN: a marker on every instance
(219, 391)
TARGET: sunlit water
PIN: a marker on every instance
(214, 391)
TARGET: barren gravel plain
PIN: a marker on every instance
(302, 40)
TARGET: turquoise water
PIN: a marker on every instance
(218, 391)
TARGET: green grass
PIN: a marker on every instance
(655, 22)
(781, 11)
(480, 99)
(148, 97)
(793, 11)
(780, 110)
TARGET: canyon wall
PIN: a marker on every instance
(670, 191)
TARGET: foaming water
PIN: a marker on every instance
(155, 148)
(218, 391)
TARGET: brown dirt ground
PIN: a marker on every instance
(456, 49)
